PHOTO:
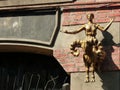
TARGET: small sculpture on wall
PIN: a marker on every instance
(94, 53)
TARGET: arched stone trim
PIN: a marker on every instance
(13, 47)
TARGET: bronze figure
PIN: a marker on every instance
(94, 53)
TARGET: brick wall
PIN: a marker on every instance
(75, 15)
(75, 64)
(102, 9)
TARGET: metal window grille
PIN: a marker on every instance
(18, 72)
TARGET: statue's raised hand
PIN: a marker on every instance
(112, 19)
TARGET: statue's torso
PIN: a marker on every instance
(90, 29)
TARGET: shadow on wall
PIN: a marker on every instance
(110, 47)
(110, 80)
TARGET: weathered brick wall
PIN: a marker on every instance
(75, 15)
(75, 64)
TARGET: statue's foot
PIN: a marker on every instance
(92, 80)
(86, 80)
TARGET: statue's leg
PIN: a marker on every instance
(87, 75)
(92, 71)
(85, 57)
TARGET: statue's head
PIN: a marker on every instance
(90, 16)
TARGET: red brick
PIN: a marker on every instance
(68, 66)
(79, 18)
(84, 1)
(114, 5)
(101, 15)
(103, 0)
(88, 12)
(65, 60)
(115, 13)
(101, 20)
(78, 59)
(66, 14)
(115, 0)
(75, 17)
(79, 65)
(90, 1)
(73, 64)
(81, 68)
(117, 19)
(71, 69)
(115, 10)
(104, 11)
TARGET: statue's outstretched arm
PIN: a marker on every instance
(74, 32)
(104, 29)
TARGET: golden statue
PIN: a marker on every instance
(94, 53)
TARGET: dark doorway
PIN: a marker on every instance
(27, 71)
